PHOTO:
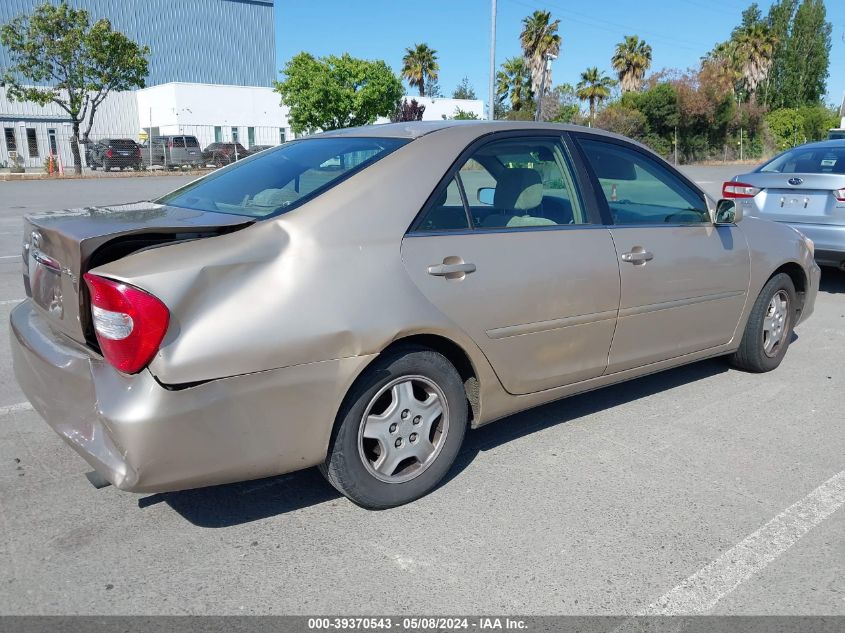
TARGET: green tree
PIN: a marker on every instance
(513, 83)
(807, 55)
(57, 56)
(622, 120)
(464, 90)
(420, 67)
(755, 48)
(335, 92)
(779, 19)
(786, 126)
(561, 105)
(539, 38)
(594, 88)
(464, 115)
(631, 60)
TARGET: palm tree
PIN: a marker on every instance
(419, 66)
(539, 38)
(594, 87)
(513, 82)
(630, 61)
(755, 48)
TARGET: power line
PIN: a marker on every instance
(602, 25)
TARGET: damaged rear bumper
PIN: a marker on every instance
(145, 437)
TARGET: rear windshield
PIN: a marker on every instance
(279, 179)
(808, 160)
(191, 141)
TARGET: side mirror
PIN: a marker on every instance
(486, 195)
(727, 212)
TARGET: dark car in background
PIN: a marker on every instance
(219, 154)
(109, 153)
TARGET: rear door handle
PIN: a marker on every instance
(638, 256)
(451, 270)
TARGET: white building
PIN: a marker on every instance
(250, 115)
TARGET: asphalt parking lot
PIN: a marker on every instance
(699, 490)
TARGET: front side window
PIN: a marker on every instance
(638, 190)
(277, 180)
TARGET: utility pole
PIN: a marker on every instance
(547, 66)
(491, 114)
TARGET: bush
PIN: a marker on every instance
(786, 126)
(622, 120)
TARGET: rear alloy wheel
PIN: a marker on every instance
(768, 332)
(399, 430)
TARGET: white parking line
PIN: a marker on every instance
(10, 256)
(700, 592)
(8, 302)
(14, 408)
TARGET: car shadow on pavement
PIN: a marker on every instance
(575, 407)
(235, 504)
(832, 281)
(244, 502)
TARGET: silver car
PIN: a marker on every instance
(358, 299)
(803, 187)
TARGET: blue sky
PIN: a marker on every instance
(679, 31)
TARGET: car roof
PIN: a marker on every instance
(836, 142)
(416, 129)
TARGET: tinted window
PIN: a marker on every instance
(639, 190)
(447, 211)
(815, 160)
(278, 180)
(521, 182)
(191, 141)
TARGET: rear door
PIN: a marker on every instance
(509, 251)
(684, 280)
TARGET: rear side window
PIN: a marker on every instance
(278, 180)
(639, 190)
(512, 183)
(817, 160)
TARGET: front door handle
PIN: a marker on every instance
(451, 270)
(638, 256)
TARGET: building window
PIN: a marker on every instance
(11, 143)
(54, 146)
(282, 138)
(31, 142)
(250, 136)
(218, 134)
(235, 135)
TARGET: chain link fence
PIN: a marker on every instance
(47, 147)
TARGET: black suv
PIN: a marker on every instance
(114, 152)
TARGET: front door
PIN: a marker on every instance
(684, 280)
(507, 251)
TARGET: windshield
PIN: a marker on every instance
(809, 160)
(279, 179)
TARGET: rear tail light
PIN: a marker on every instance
(839, 194)
(130, 323)
(108, 153)
(733, 189)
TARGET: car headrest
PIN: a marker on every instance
(520, 189)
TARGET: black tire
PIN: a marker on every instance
(345, 466)
(106, 165)
(752, 354)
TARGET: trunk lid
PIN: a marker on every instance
(802, 198)
(59, 247)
